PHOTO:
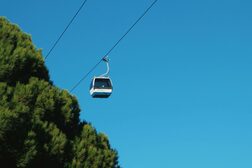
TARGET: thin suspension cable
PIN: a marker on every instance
(84, 77)
(127, 32)
(71, 21)
(114, 46)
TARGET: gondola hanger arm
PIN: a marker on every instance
(106, 60)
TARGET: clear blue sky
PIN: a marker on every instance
(182, 78)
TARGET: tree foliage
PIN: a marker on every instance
(39, 123)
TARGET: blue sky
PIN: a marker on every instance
(182, 78)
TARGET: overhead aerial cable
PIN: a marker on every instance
(68, 25)
(113, 47)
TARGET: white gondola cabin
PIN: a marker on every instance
(101, 87)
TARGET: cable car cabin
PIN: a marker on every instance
(101, 87)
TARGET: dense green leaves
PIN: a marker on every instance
(39, 123)
(20, 60)
(94, 149)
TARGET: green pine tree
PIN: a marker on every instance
(39, 123)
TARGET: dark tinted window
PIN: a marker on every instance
(102, 83)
